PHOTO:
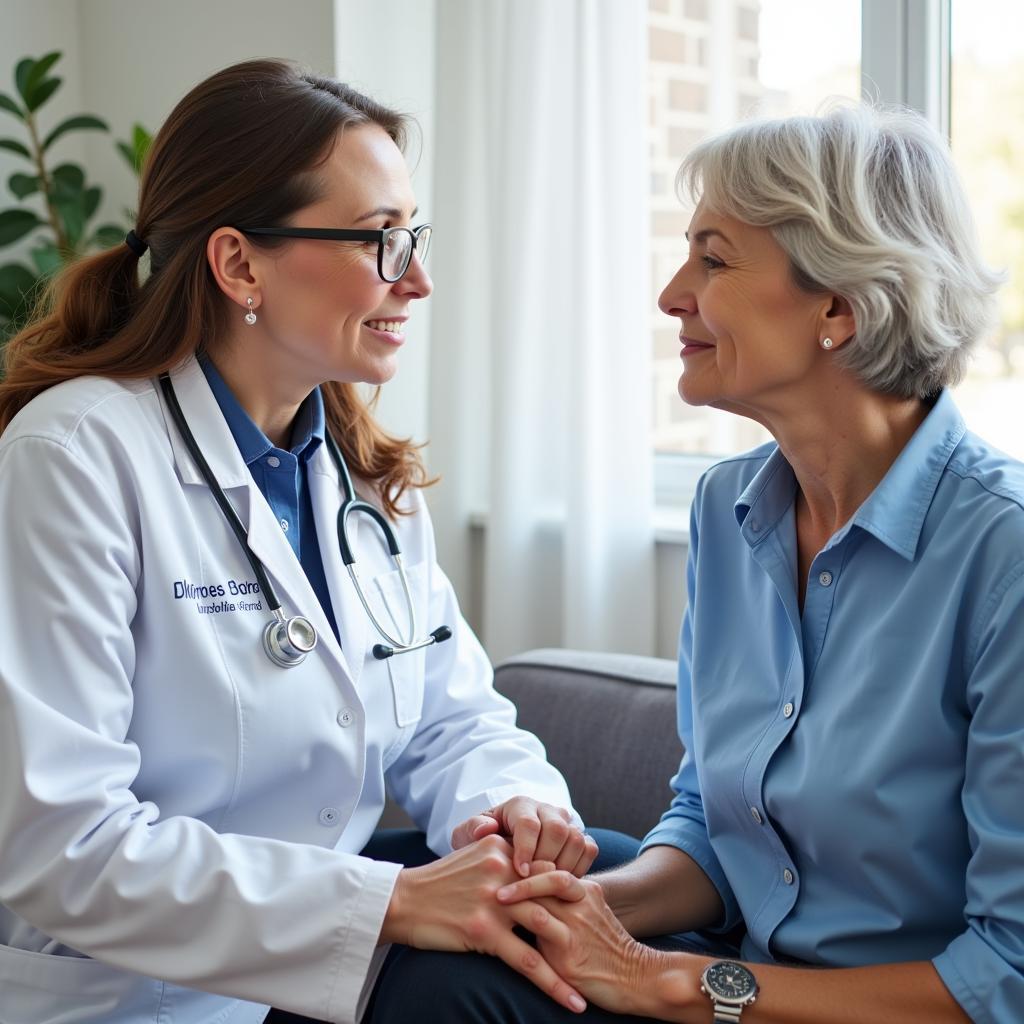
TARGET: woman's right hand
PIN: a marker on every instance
(451, 905)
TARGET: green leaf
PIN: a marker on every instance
(135, 151)
(71, 124)
(128, 153)
(17, 290)
(15, 147)
(42, 66)
(47, 259)
(108, 236)
(6, 103)
(15, 224)
(30, 77)
(23, 184)
(92, 197)
(42, 92)
(141, 141)
(68, 179)
(21, 73)
(75, 206)
(71, 210)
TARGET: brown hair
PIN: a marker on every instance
(238, 149)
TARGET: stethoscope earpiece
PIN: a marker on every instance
(382, 651)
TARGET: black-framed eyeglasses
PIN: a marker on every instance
(395, 246)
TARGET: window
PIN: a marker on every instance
(987, 136)
(712, 64)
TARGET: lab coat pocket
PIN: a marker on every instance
(71, 988)
(406, 670)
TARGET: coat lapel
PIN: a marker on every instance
(266, 539)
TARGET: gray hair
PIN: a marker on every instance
(866, 203)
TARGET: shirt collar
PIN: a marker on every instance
(771, 492)
(895, 510)
(307, 432)
(309, 427)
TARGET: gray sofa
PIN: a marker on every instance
(608, 723)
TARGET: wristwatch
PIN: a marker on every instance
(730, 986)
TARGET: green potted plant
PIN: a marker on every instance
(55, 204)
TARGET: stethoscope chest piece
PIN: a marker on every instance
(288, 641)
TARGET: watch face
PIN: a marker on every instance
(729, 980)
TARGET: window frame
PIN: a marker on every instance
(905, 59)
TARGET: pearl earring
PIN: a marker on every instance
(825, 342)
(250, 317)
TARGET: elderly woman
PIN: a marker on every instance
(850, 681)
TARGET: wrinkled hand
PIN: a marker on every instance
(537, 831)
(582, 939)
(451, 905)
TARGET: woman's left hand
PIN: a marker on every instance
(537, 832)
(582, 939)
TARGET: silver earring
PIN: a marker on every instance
(250, 317)
(825, 342)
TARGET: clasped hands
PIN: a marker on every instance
(522, 863)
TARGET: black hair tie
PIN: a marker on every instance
(136, 244)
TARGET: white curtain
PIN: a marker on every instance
(540, 350)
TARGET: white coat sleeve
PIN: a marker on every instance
(467, 753)
(82, 859)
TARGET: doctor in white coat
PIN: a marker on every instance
(181, 817)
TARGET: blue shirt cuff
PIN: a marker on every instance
(990, 990)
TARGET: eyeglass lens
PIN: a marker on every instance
(398, 248)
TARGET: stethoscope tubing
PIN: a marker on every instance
(220, 497)
(288, 640)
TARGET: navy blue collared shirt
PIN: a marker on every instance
(282, 476)
(853, 782)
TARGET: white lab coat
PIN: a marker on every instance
(173, 806)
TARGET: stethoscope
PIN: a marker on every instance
(287, 641)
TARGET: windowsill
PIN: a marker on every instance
(671, 524)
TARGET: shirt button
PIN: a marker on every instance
(329, 817)
(787, 709)
(825, 579)
(788, 876)
(755, 814)
(284, 525)
(273, 461)
(754, 526)
(345, 717)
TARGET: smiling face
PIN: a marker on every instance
(324, 313)
(750, 335)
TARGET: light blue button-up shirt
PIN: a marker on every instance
(854, 777)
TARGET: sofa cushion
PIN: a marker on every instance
(608, 723)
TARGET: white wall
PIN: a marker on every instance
(132, 60)
(139, 57)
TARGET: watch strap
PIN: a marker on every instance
(726, 1014)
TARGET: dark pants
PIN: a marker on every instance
(429, 987)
